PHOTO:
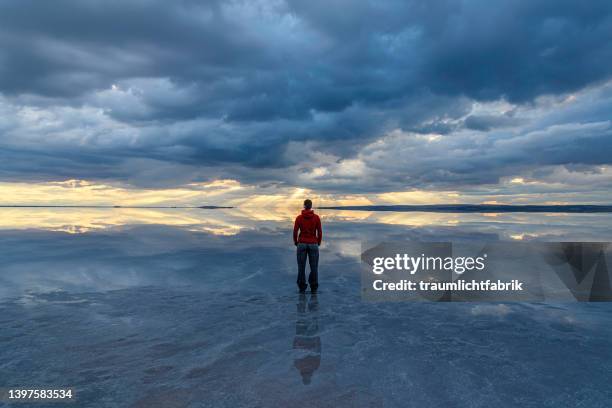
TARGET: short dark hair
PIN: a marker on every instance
(307, 204)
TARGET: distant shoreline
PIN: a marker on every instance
(478, 208)
(439, 208)
(205, 207)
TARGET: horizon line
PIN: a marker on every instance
(479, 208)
(110, 206)
(448, 208)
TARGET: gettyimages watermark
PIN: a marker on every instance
(477, 271)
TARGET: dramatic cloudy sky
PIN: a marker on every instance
(386, 101)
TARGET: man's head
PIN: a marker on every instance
(307, 204)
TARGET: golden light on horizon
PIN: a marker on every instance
(417, 197)
(83, 220)
(83, 192)
(265, 203)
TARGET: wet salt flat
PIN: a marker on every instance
(199, 308)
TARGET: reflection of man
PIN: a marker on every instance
(307, 338)
(307, 235)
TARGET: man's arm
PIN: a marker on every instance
(319, 231)
(296, 227)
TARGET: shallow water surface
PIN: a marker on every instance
(199, 308)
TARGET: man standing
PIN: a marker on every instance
(307, 235)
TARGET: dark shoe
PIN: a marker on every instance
(302, 290)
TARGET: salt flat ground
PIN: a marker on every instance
(199, 308)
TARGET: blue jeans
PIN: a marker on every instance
(310, 251)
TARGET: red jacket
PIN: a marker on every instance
(309, 226)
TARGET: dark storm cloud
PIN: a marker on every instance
(332, 54)
(221, 89)
(488, 122)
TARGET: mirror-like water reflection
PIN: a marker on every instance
(199, 308)
(307, 339)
